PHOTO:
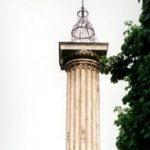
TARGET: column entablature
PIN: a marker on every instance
(71, 52)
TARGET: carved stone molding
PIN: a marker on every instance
(69, 51)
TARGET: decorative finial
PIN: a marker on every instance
(83, 30)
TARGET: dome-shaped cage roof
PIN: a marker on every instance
(83, 30)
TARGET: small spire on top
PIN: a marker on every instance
(82, 8)
(82, 3)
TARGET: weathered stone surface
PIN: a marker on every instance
(82, 106)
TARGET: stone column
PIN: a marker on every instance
(81, 62)
(82, 105)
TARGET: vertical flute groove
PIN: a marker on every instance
(72, 109)
(79, 106)
(74, 106)
(77, 133)
(80, 110)
(68, 112)
(98, 112)
(89, 108)
(95, 100)
(92, 107)
(83, 108)
(86, 103)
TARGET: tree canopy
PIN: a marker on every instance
(132, 65)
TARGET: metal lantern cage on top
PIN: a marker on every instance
(83, 30)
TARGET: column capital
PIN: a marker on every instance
(71, 51)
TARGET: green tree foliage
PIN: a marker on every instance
(133, 65)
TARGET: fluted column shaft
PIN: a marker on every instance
(82, 105)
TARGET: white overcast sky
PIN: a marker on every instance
(32, 86)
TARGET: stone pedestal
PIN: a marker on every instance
(80, 60)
